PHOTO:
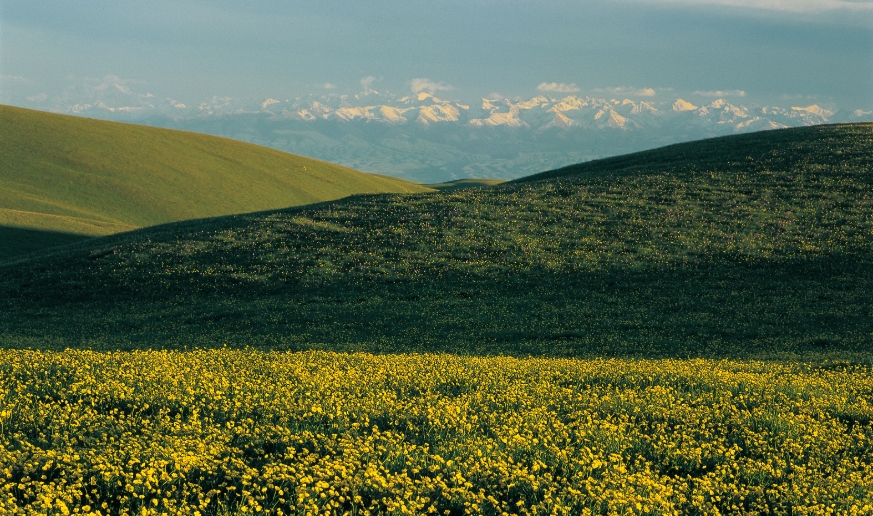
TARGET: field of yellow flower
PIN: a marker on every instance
(255, 432)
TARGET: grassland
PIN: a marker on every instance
(74, 176)
(251, 432)
(683, 331)
(451, 186)
(764, 250)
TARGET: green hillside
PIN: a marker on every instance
(62, 176)
(451, 186)
(763, 247)
(800, 150)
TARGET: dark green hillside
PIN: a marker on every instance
(451, 186)
(65, 176)
(802, 150)
(760, 248)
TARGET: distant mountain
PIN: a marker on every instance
(63, 177)
(427, 139)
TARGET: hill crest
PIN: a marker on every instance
(95, 177)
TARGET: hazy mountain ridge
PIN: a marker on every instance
(540, 112)
(424, 138)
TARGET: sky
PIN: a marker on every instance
(778, 52)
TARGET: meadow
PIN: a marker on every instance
(253, 432)
(682, 331)
(766, 250)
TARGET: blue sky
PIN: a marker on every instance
(769, 51)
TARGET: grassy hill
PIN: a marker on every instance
(63, 178)
(763, 249)
(751, 245)
(451, 186)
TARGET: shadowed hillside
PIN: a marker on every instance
(17, 241)
(451, 186)
(802, 150)
(74, 175)
(742, 246)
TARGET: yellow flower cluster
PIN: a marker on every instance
(253, 432)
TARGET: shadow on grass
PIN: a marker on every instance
(16, 242)
(460, 184)
(720, 310)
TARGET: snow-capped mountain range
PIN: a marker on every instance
(425, 138)
(539, 112)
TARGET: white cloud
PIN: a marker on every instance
(329, 86)
(720, 93)
(796, 6)
(367, 83)
(646, 92)
(419, 85)
(42, 97)
(627, 90)
(554, 87)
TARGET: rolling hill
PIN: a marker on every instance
(751, 245)
(63, 178)
(459, 184)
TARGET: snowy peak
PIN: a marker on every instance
(570, 103)
(608, 117)
(393, 115)
(645, 107)
(509, 119)
(350, 113)
(532, 103)
(540, 112)
(814, 110)
(563, 121)
(681, 105)
(438, 113)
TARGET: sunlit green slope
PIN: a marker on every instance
(764, 247)
(61, 174)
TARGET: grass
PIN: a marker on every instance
(762, 247)
(88, 177)
(18, 241)
(451, 186)
(683, 331)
